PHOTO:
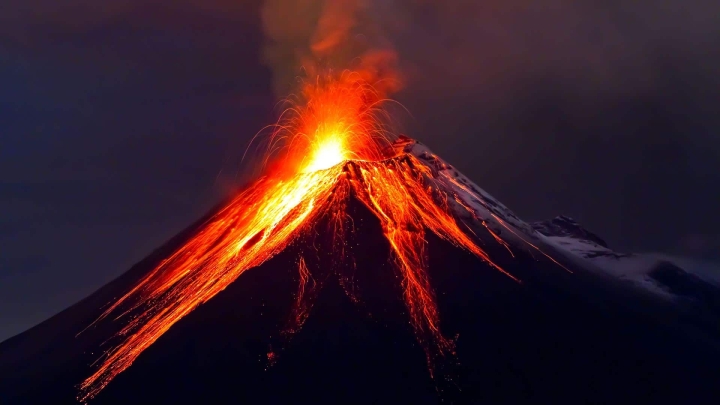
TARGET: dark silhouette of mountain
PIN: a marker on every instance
(558, 337)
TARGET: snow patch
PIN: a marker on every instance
(689, 278)
(634, 269)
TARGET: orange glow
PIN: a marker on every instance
(302, 305)
(327, 155)
(334, 146)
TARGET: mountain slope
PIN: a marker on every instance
(666, 276)
(565, 334)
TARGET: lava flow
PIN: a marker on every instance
(334, 145)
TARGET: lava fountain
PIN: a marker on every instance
(332, 143)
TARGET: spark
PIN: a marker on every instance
(336, 144)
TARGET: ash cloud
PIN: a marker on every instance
(306, 36)
(610, 47)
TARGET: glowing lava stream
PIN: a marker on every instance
(335, 150)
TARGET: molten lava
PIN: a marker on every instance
(334, 146)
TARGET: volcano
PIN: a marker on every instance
(535, 323)
(361, 267)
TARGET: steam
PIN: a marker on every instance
(304, 37)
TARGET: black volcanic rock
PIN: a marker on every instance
(566, 226)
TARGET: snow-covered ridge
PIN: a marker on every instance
(474, 198)
(666, 276)
(572, 236)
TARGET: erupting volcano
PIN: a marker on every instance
(311, 274)
(336, 147)
(357, 267)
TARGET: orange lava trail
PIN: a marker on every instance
(302, 304)
(526, 241)
(257, 225)
(397, 194)
(307, 290)
(335, 147)
(472, 212)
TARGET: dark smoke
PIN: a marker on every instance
(456, 45)
(306, 36)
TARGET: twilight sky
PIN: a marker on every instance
(120, 125)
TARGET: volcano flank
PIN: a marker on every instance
(327, 320)
(363, 304)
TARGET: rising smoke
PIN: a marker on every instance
(304, 37)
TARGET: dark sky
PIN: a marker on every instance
(119, 126)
